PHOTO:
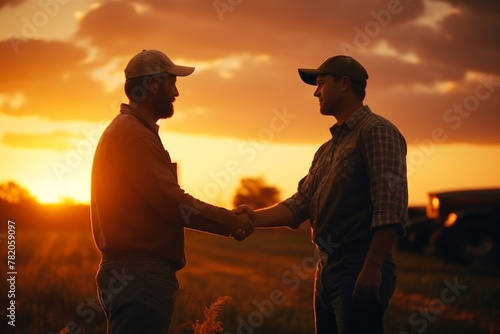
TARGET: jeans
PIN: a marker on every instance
(137, 295)
(334, 309)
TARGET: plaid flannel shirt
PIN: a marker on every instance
(357, 182)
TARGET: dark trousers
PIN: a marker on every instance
(137, 295)
(334, 308)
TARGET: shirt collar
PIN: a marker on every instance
(351, 122)
(127, 109)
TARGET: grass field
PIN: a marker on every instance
(268, 277)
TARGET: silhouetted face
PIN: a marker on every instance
(165, 96)
(329, 93)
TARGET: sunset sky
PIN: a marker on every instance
(434, 70)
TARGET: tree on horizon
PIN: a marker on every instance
(13, 193)
(256, 193)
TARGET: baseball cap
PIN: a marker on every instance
(339, 66)
(150, 62)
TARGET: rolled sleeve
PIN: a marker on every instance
(298, 204)
(385, 150)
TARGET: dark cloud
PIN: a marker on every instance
(472, 41)
(285, 29)
(477, 6)
(467, 114)
(386, 72)
(116, 28)
(467, 40)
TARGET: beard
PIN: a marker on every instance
(164, 110)
(167, 112)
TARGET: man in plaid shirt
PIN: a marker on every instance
(356, 199)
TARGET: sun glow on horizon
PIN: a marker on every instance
(203, 171)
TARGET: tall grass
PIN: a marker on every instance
(56, 287)
(209, 323)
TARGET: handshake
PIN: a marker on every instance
(245, 225)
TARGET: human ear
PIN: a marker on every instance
(151, 84)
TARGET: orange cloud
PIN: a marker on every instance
(54, 81)
(57, 140)
(4, 3)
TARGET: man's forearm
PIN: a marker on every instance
(274, 216)
(381, 245)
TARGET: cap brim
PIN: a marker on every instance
(309, 75)
(181, 71)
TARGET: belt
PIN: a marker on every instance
(120, 255)
(123, 255)
(338, 253)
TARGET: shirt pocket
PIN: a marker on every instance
(344, 164)
(317, 174)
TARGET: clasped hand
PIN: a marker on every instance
(245, 224)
